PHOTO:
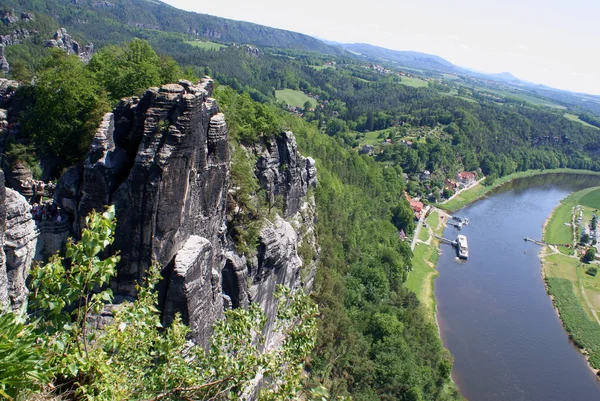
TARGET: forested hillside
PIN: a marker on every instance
(108, 22)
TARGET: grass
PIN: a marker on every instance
(420, 279)
(591, 199)
(205, 45)
(294, 98)
(413, 82)
(372, 137)
(575, 118)
(424, 234)
(584, 332)
(556, 231)
(465, 197)
(575, 294)
(478, 191)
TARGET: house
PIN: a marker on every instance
(416, 206)
(425, 175)
(466, 178)
(402, 235)
(451, 184)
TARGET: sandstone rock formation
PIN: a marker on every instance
(4, 67)
(163, 161)
(62, 40)
(19, 236)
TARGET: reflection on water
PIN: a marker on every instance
(493, 311)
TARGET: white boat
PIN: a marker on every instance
(462, 248)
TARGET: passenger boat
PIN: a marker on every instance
(462, 248)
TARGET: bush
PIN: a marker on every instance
(592, 271)
(589, 255)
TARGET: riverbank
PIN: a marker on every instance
(574, 293)
(425, 256)
(479, 190)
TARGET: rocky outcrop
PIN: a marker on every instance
(4, 66)
(163, 161)
(8, 17)
(62, 40)
(20, 240)
(284, 173)
(4, 296)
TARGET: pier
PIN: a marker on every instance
(446, 240)
(534, 241)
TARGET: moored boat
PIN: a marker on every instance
(462, 248)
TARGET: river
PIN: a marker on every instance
(493, 311)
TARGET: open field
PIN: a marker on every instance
(372, 137)
(420, 279)
(557, 232)
(414, 82)
(584, 332)
(575, 118)
(591, 199)
(575, 293)
(294, 98)
(205, 45)
(425, 257)
(465, 197)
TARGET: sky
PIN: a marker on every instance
(552, 42)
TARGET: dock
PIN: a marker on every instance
(446, 240)
(534, 241)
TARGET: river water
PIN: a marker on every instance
(494, 314)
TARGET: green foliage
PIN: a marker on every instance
(403, 217)
(21, 358)
(592, 271)
(132, 68)
(134, 357)
(18, 152)
(63, 297)
(590, 254)
(67, 106)
(584, 332)
(248, 121)
(246, 220)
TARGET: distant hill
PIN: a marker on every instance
(405, 58)
(112, 21)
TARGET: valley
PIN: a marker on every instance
(280, 197)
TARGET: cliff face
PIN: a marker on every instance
(19, 239)
(163, 161)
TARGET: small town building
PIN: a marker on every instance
(466, 177)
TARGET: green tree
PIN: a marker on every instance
(403, 217)
(589, 255)
(131, 68)
(68, 105)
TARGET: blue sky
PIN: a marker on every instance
(556, 43)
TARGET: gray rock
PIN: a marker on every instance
(4, 297)
(27, 17)
(163, 161)
(62, 40)
(194, 287)
(20, 240)
(4, 67)
(8, 17)
(283, 172)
